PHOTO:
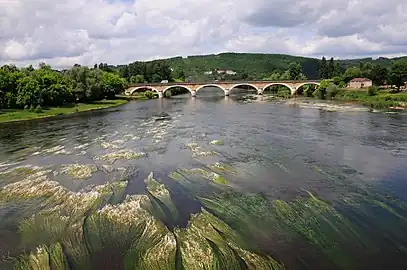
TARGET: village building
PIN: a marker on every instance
(360, 83)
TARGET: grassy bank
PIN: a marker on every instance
(382, 100)
(11, 115)
(133, 97)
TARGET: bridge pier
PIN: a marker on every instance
(260, 91)
(160, 94)
(193, 93)
(227, 92)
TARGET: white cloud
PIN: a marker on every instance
(66, 32)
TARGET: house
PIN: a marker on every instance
(208, 72)
(231, 72)
(360, 83)
(227, 71)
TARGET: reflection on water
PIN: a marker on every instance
(236, 184)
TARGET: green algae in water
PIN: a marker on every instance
(109, 145)
(79, 171)
(197, 151)
(122, 154)
(183, 174)
(217, 142)
(160, 192)
(18, 173)
(223, 168)
(209, 243)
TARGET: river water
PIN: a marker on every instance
(296, 186)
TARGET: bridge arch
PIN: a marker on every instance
(177, 85)
(134, 89)
(292, 89)
(212, 85)
(244, 84)
(305, 83)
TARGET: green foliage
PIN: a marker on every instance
(372, 90)
(308, 90)
(28, 91)
(398, 73)
(352, 72)
(149, 94)
(139, 72)
(283, 92)
(332, 90)
(137, 79)
(112, 84)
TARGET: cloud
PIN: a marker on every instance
(66, 32)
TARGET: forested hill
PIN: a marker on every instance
(258, 65)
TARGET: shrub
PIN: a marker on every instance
(149, 94)
(332, 90)
(319, 93)
(372, 90)
(283, 92)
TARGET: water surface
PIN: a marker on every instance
(308, 188)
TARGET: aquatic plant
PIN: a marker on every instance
(79, 171)
(217, 142)
(56, 150)
(222, 167)
(18, 173)
(161, 193)
(109, 145)
(209, 243)
(182, 174)
(121, 154)
(44, 258)
(197, 151)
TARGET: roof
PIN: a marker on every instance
(360, 80)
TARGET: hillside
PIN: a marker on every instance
(248, 65)
(257, 65)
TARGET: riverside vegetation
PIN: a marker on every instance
(46, 92)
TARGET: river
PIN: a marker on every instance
(238, 184)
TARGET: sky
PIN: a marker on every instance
(64, 32)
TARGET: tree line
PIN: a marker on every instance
(28, 87)
(154, 72)
(395, 74)
(44, 86)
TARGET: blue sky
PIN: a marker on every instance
(64, 32)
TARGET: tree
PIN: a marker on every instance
(352, 72)
(137, 79)
(379, 75)
(398, 73)
(112, 84)
(28, 92)
(330, 68)
(323, 69)
(295, 71)
(320, 92)
(86, 83)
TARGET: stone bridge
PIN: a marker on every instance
(225, 86)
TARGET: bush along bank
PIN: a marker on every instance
(372, 97)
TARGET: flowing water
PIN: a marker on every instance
(236, 184)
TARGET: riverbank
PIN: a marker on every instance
(14, 115)
(382, 100)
